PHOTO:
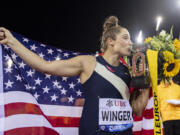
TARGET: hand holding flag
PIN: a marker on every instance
(2, 36)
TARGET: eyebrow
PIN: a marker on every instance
(126, 35)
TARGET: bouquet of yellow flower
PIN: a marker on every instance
(168, 54)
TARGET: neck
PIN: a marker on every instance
(112, 59)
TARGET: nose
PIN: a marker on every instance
(130, 42)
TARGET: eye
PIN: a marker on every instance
(125, 37)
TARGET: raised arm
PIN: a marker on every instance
(139, 100)
(71, 67)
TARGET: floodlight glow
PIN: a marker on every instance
(9, 63)
(178, 3)
(139, 37)
(159, 20)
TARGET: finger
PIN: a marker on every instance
(5, 31)
(4, 41)
(1, 38)
(2, 29)
(2, 32)
(2, 35)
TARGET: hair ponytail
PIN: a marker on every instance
(110, 30)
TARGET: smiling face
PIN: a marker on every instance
(122, 43)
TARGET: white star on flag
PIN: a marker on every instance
(27, 86)
(59, 50)
(18, 78)
(75, 53)
(25, 40)
(46, 90)
(70, 99)
(21, 65)
(8, 70)
(50, 51)
(36, 96)
(66, 54)
(30, 73)
(33, 47)
(71, 85)
(8, 84)
(38, 81)
(79, 93)
(54, 97)
(79, 81)
(6, 47)
(63, 91)
(14, 56)
(41, 55)
(64, 78)
(7, 57)
(56, 83)
(48, 76)
(43, 45)
(57, 58)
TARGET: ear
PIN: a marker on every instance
(110, 41)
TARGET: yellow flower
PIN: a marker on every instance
(169, 52)
(171, 69)
(177, 44)
(168, 56)
(147, 40)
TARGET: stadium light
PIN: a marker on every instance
(139, 38)
(159, 20)
(178, 3)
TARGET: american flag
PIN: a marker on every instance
(144, 125)
(32, 103)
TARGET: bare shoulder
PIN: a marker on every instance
(81, 60)
(89, 63)
(85, 59)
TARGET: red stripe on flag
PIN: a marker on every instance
(27, 108)
(148, 114)
(137, 132)
(63, 121)
(147, 132)
(136, 118)
(22, 108)
(32, 131)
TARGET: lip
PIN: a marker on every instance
(130, 49)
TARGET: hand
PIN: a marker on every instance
(141, 67)
(2, 35)
(5, 36)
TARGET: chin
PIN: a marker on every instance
(127, 54)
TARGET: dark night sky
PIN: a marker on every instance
(77, 25)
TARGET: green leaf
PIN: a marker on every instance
(171, 31)
(177, 55)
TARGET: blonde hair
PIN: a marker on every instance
(110, 30)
